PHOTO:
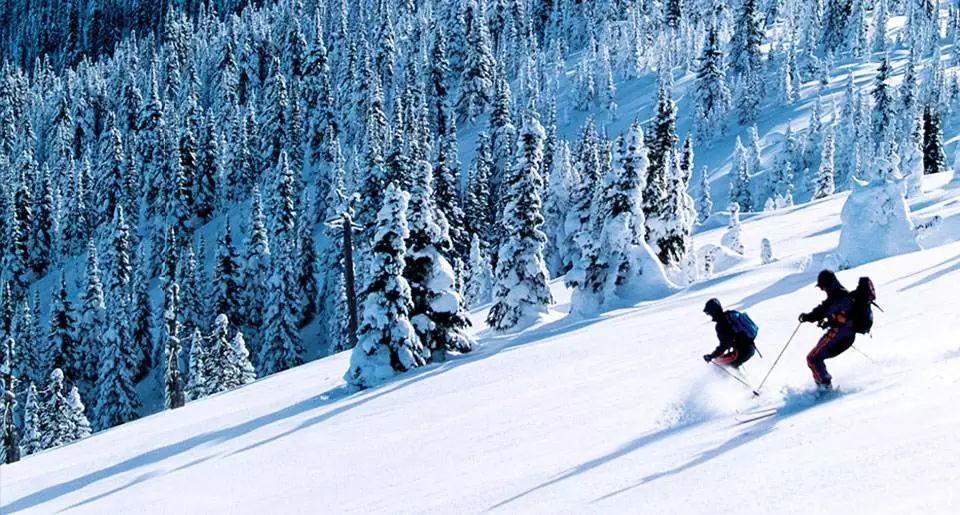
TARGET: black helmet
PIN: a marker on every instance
(713, 307)
(826, 279)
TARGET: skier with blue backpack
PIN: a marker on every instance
(736, 332)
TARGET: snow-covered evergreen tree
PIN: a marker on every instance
(387, 342)
(660, 145)
(476, 82)
(712, 94)
(556, 205)
(197, 385)
(740, 186)
(677, 218)
(766, 252)
(256, 265)
(883, 118)
(520, 290)
(225, 294)
(30, 442)
(281, 346)
(824, 186)
(618, 258)
(746, 61)
(732, 239)
(78, 416)
(57, 423)
(437, 313)
(479, 280)
(934, 158)
(704, 200)
(10, 445)
(92, 319)
(62, 347)
(173, 388)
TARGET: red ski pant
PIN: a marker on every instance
(831, 345)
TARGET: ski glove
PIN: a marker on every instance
(805, 317)
(708, 358)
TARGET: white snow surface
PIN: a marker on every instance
(614, 413)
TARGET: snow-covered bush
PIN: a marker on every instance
(732, 239)
(876, 218)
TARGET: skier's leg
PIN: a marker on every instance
(727, 358)
(818, 354)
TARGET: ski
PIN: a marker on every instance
(743, 418)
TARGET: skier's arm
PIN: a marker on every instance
(726, 340)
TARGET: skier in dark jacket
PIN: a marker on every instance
(833, 315)
(733, 349)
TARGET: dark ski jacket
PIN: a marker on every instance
(835, 308)
(729, 339)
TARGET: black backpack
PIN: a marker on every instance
(862, 309)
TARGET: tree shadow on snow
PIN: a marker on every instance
(157, 455)
(627, 448)
(954, 267)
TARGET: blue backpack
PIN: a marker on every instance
(742, 325)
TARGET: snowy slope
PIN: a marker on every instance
(616, 413)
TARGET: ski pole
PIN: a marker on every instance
(864, 354)
(757, 391)
(731, 374)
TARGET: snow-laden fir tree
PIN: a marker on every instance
(479, 210)
(117, 401)
(824, 186)
(704, 201)
(173, 388)
(740, 184)
(197, 365)
(78, 416)
(713, 98)
(476, 81)
(30, 441)
(10, 445)
(332, 310)
(225, 286)
(479, 280)
(618, 260)
(520, 290)
(387, 342)
(660, 145)
(677, 219)
(282, 347)
(732, 239)
(437, 314)
(57, 425)
(62, 347)
(881, 17)
(746, 61)
(556, 205)
(883, 117)
(141, 332)
(240, 360)
(876, 221)
(22, 329)
(934, 158)
(766, 252)
(93, 316)
(586, 177)
(256, 264)
(191, 311)
(306, 269)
